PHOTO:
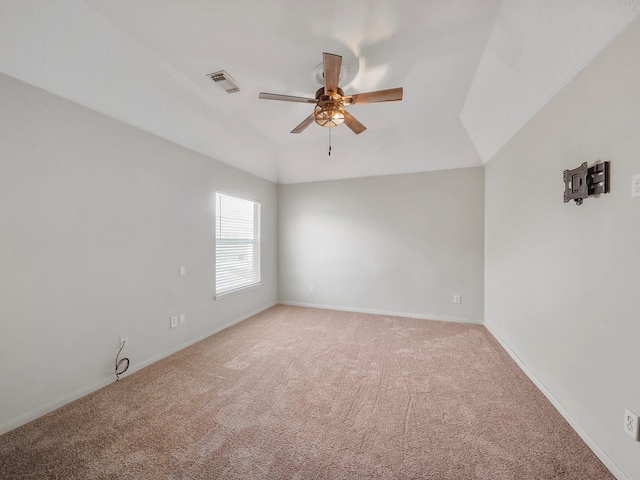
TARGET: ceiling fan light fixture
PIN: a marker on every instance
(329, 114)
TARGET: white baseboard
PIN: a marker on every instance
(382, 312)
(51, 406)
(591, 443)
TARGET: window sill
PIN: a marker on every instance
(231, 293)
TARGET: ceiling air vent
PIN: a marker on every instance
(223, 79)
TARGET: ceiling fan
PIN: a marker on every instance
(330, 99)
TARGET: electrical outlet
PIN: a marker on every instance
(457, 299)
(174, 321)
(124, 340)
(312, 288)
(183, 270)
(183, 318)
(635, 186)
(631, 423)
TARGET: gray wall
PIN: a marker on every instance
(563, 281)
(400, 244)
(95, 219)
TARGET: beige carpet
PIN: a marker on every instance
(301, 393)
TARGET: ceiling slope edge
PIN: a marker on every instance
(53, 45)
(523, 69)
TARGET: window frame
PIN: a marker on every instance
(256, 241)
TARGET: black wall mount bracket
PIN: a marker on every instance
(584, 181)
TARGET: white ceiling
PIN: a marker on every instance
(474, 72)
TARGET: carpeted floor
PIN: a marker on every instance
(298, 393)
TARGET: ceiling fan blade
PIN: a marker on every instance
(304, 124)
(331, 66)
(390, 95)
(353, 124)
(285, 98)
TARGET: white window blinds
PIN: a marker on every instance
(237, 243)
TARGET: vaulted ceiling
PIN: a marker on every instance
(474, 72)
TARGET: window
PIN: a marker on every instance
(237, 243)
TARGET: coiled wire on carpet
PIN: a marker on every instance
(119, 363)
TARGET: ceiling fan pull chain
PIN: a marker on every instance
(329, 142)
